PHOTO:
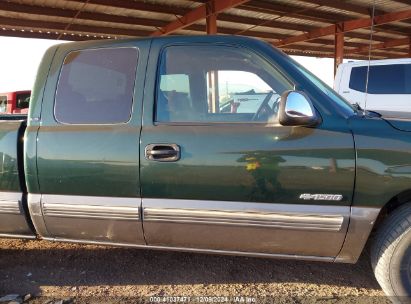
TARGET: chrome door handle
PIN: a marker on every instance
(162, 152)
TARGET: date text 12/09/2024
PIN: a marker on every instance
(202, 299)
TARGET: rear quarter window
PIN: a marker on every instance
(96, 86)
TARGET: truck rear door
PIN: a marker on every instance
(88, 144)
(233, 180)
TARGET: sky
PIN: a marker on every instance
(20, 57)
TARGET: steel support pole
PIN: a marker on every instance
(338, 50)
(211, 19)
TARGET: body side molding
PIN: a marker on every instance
(13, 221)
(305, 217)
(315, 218)
(91, 211)
(44, 206)
(243, 218)
(238, 226)
(10, 202)
(12, 207)
(93, 207)
(91, 218)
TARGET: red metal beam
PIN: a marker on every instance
(342, 5)
(211, 24)
(71, 13)
(285, 9)
(338, 50)
(347, 26)
(27, 23)
(59, 26)
(140, 6)
(211, 20)
(312, 13)
(95, 16)
(51, 25)
(294, 50)
(44, 34)
(358, 9)
(382, 45)
(197, 14)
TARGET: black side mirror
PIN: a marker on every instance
(296, 109)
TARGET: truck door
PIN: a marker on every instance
(88, 144)
(219, 173)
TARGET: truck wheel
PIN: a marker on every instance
(391, 254)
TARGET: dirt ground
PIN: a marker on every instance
(85, 273)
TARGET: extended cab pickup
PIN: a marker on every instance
(126, 144)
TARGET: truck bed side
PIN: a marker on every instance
(14, 219)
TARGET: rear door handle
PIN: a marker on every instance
(162, 152)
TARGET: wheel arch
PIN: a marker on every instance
(394, 203)
(364, 223)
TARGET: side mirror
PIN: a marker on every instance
(296, 109)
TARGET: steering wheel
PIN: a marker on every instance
(263, 107)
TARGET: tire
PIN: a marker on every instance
(391, 255)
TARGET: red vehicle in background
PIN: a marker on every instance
(15, 102)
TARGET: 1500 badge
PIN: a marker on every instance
(321, 197)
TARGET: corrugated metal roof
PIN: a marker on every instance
(385, 5)
(271, 20)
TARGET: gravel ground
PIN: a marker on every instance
(83, 273)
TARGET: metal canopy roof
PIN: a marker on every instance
(299, 27)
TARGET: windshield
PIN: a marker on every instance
(326, 89)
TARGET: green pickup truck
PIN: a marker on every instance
(126, 144)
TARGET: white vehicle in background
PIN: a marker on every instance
(389, 84)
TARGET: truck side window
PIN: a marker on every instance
(3, 104)
(96, 86)
(22, 101)
(383, 79)
(217, 84)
